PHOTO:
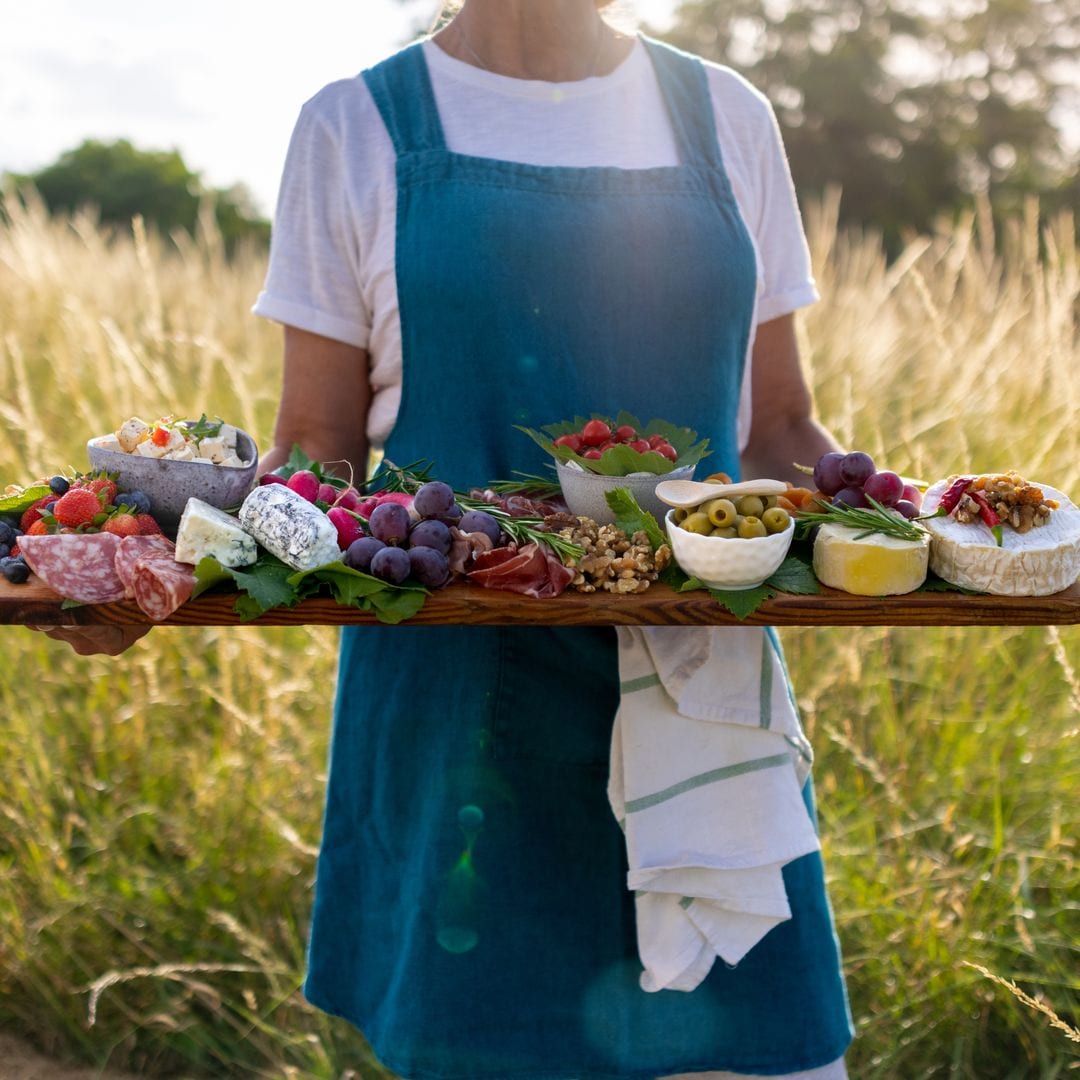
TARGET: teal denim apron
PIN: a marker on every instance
(471, 912)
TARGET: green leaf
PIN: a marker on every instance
(743, 602)
(794, 576)
(208, 573)
(266, 583)
(631, 518)
(16, 504)
(393, 605)
(390, 603)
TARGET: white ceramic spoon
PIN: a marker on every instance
(685, 493)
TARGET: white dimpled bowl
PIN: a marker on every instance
(728, 563)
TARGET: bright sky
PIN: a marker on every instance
(220, 80)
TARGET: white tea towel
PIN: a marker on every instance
(708, 761)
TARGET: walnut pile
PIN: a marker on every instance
(1013, 499)
(613, 561)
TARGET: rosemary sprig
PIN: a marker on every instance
(534, 486)
(523, 530)
(877, 520)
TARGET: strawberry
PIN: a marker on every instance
(122, 525)
(78, 507)
(101, 485)
(147, 525)
(33, 511)
(38, 528)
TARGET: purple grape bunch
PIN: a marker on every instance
(852, 479)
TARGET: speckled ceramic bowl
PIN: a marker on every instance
(169, 484)
(728, 563)
(584, 491)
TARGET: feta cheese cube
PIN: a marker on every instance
(131, 433)
(107, 442)
(149, 448)
(181, 453)
(214, 449)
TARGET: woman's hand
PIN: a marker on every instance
(96, 640)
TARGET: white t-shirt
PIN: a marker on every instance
(332, 249)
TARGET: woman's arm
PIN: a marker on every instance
(782, 425)
(325, 397)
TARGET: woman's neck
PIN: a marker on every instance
(549, 40)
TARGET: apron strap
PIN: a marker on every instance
(685, 89)
(401, 87)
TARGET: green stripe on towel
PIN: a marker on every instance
(710, 777)
(642, 683)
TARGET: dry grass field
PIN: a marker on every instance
(159, 814)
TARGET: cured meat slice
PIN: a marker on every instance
(79, 566)
(464, 547)
(131, 550)
(161, 584)
(528, 570)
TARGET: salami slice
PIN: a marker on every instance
(131, 550)
(79, 566)
(161, 584)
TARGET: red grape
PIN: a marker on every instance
(886, 487)
(851, 496)
(595, 432)
(908, 509)
(856, 468)
(827, 473)
(912, 494)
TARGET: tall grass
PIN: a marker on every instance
(159, 814)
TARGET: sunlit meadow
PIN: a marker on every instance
(159, 813)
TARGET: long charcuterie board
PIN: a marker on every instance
(35, 604)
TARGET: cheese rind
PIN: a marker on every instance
(205, 530)
(1042, 561)
(290, 527)
(874, 565)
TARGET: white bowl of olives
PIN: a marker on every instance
(731, 543)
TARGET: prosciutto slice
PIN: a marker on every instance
(531, 569)
(79, 566)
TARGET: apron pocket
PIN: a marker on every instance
(557, 694)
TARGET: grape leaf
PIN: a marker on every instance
(631, 518)
(794, 576)
(208, 573)
(266, 583)
(22, 500)
(390, 603)
(743, 602)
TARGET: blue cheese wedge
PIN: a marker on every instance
(290, 527)
(205, 530)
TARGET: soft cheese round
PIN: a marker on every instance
(1042, 561)
(872, 565)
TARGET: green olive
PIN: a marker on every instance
(680, 515)
(770, 502)
(751, 526)
(751, 506)
(776, 519)
(721, 512)
(697, 522)
(727, 532)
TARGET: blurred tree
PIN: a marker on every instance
(122, 181)
(910, 105)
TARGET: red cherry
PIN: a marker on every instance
(592, 454)
(656, 440)
(624, 433)
(573, 442)
(595, 432)
(640, 445)
(667, 450)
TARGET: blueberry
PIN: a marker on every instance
(59, 485)
(142, 501)
(11, 520)
(15, 570)
(5, 551)
(7, 533)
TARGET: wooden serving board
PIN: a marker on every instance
(35, 603)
